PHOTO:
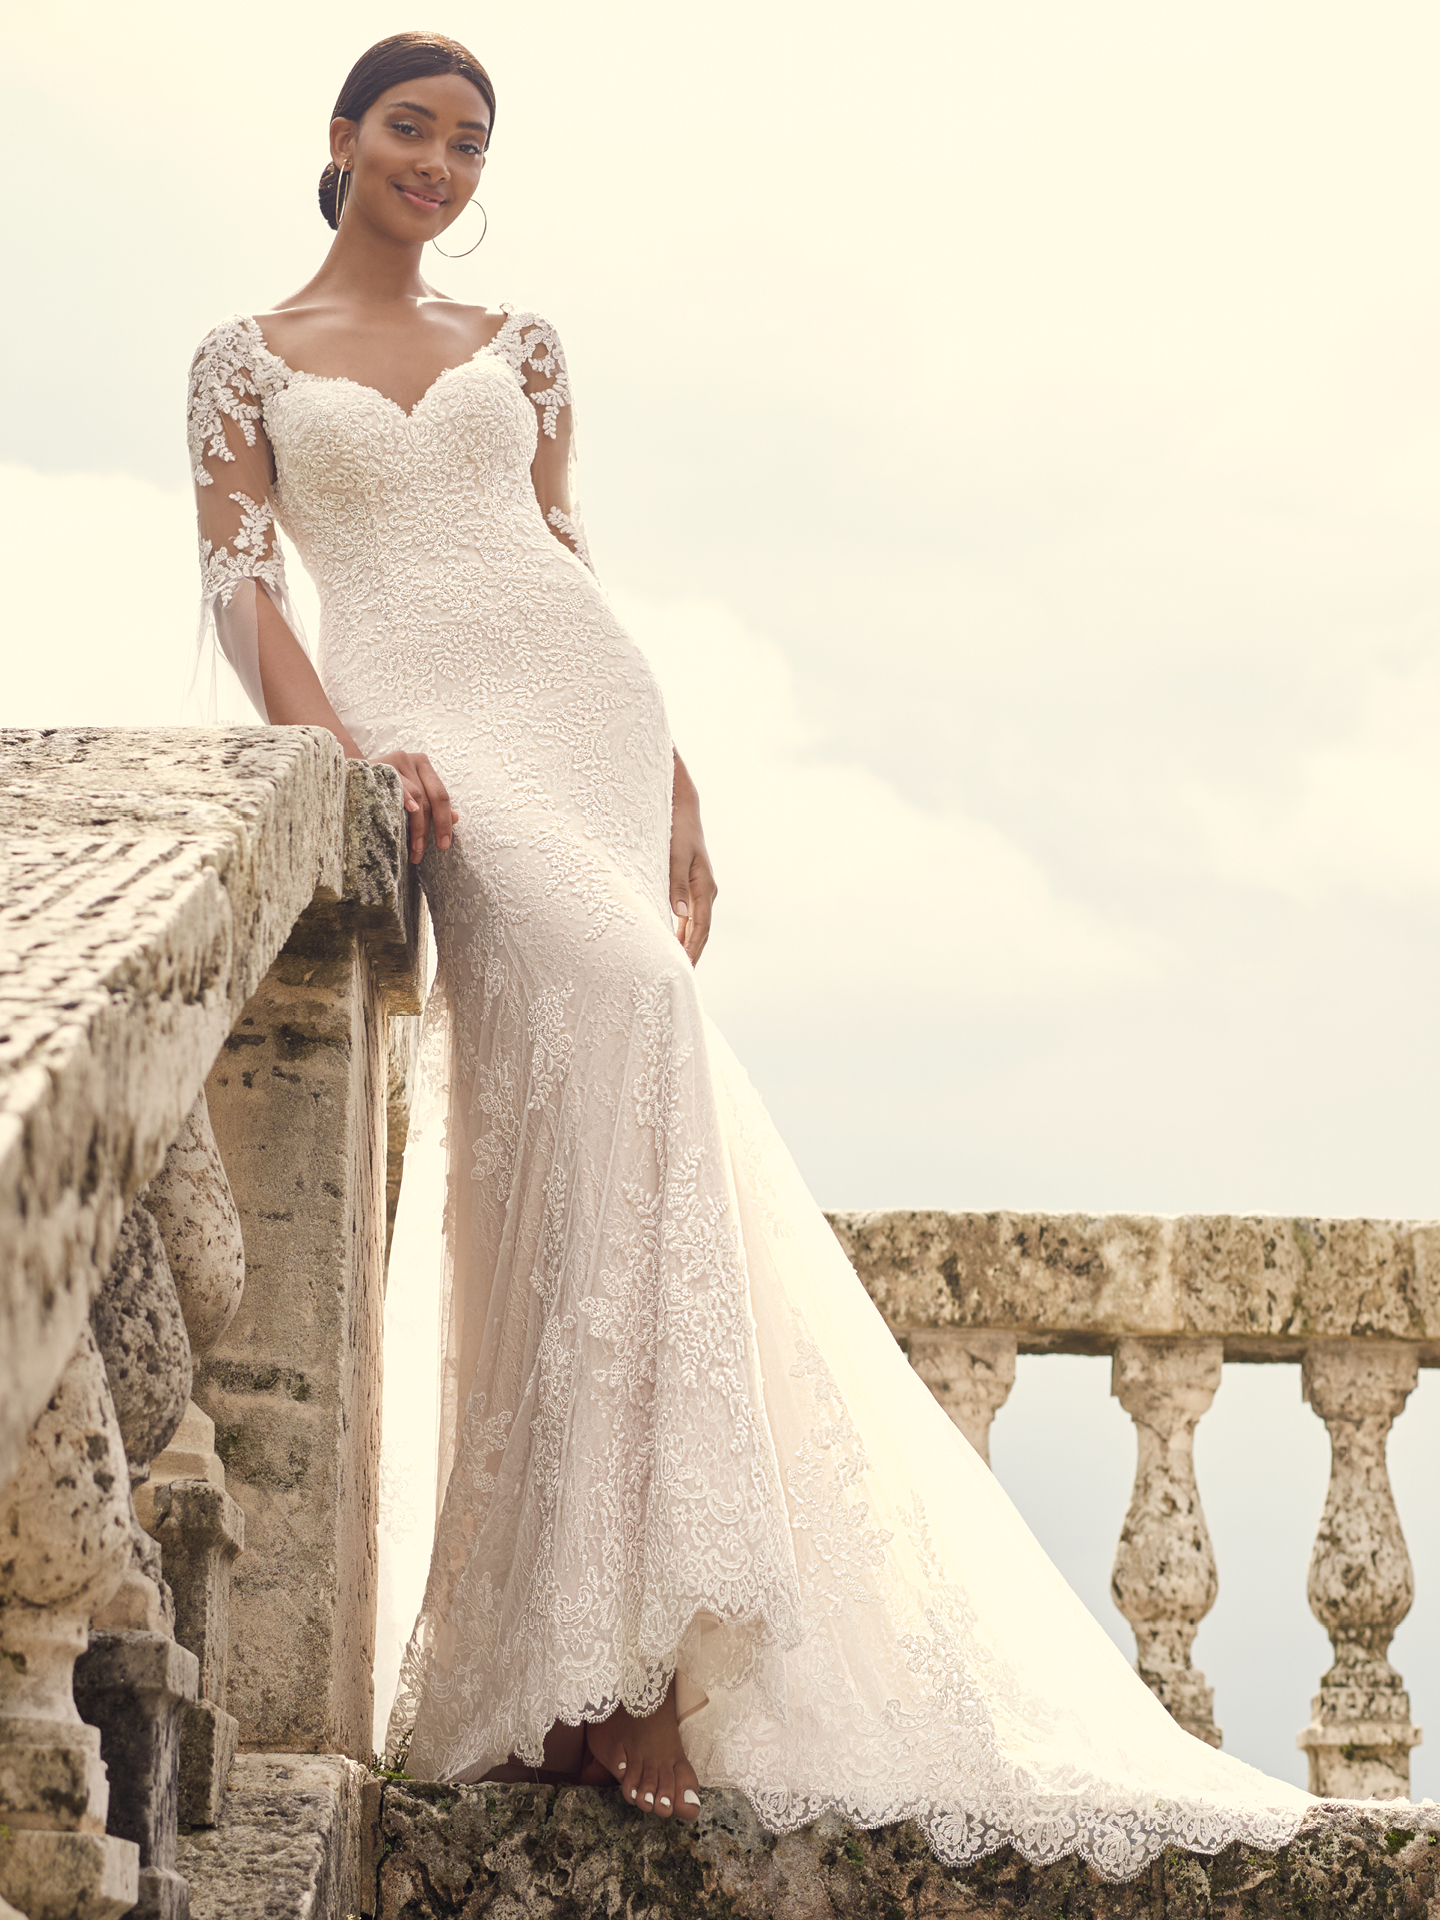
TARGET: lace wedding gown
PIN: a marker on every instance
(676, 1437)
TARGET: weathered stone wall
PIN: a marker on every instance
(293, 1386)
(156, 879)
(535, 1853)
(143, 917)
(1075, 1283)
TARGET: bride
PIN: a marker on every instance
(700, 1524)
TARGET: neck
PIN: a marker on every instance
(364, 264)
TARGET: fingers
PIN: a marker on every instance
(427, 802)
(696, 929)
(442, 814)
(679, 885)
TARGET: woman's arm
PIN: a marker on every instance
(246, 613)
(294, 697)
(692, 879)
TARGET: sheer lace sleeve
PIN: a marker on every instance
(240, 554)
(534, 350)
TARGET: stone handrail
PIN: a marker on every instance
(205, 938)
(1355, 1303)
(211, 953)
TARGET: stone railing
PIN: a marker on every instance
(204, 941)
(1354, 1303)
(210, 959)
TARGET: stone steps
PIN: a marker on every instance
(288, 1843)
(536, 1853)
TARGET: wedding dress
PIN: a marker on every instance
(676, 1436)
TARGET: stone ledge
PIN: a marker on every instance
(159, 874)
(287, 1846)
(535, 1853)
(1075, 1283)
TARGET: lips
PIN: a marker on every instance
(426, 202)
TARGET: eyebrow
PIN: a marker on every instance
(414, 106)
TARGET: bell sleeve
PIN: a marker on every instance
(233, 469)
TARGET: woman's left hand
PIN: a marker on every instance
(692, 881)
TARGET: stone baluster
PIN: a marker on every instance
(134, 1680)
(65, 1523)
(1360, 1585)
(970, 1374)
(1163, 1580)
(184, 1503)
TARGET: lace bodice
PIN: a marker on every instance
(334, 463)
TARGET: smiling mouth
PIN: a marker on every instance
(427, 203)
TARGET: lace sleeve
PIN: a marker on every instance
(539, 361)
(240, 555)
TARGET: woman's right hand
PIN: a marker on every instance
(426, 801)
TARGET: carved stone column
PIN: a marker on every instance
(970, 1374)
(134, 1679)
(1163, 1579)
(65, 1524)
(184, 1503)
(1361, 1585)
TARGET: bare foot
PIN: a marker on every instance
(646, 1757)
(564, 1753)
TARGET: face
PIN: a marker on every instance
(416, 156)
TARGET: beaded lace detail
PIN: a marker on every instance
(676, 1438)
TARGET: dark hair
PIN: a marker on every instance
(404, 56)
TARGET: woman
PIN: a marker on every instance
(699, 1520)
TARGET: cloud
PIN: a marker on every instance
(102, 591)
(832, 881)
(1360, 811)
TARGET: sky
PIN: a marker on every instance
(1010, 431)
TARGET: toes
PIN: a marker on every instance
(665, 1792)
(642, 1791)
(687, 1797)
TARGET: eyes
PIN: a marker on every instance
(410, 130)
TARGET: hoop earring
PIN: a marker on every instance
(468, 250)
(341, 195)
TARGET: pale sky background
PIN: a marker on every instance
(1011, 430)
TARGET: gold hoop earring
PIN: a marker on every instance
(341, 195)
(469, 250)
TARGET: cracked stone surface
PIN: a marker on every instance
(194, 1210)
(287, 1845)
(140, 1332)
(536, 1853)
(1074, 1283)
(159, 875)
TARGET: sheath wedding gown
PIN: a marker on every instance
(676, 1437)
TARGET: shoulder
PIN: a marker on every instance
(528, 338)
(230, 345)
(532, 347)
(226, 384)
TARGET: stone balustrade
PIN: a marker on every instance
(1354, 1303)
(211, 949)
(204, 941)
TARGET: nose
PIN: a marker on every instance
(433, 166)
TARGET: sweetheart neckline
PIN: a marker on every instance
(364, 386)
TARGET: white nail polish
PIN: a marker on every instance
(621, 1767)
(649, 1799)
(692, 1799)
(664, 1799)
